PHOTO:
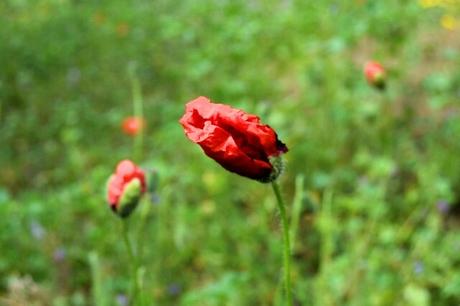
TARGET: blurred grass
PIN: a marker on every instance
(374, 166)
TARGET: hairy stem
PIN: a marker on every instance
(286, 244)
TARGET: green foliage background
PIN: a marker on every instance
(366, 175)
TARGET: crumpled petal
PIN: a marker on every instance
(236, 140)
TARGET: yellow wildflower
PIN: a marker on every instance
(429, 3)
(448, 22)
(440, 3)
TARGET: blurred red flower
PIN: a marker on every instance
(125, 187)
(234, 139)
(375, 74)
(132, 125)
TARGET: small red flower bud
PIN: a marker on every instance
(238, 141)
(125, 188)
(132, 125)
(375, 74)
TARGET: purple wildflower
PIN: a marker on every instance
(443, 207)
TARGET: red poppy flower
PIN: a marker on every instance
(375, 74)
(132, 125)
(125, 187)
(234, 139)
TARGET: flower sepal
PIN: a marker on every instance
(379, 81)
(129, 199)
(278, 168)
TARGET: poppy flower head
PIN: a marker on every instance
(238, 141)
(132, 125)
(125, 187)
(375, 74)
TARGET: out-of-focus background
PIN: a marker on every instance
(372, 178)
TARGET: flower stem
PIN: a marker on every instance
(132, 261)
(286, 244)
(140, 268)
(138, 113)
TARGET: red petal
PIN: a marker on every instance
(235, 139)
(221, 147)
(125, 168)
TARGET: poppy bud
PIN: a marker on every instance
(375, 74)
(238, 141)
(125, 188)
(132, 125)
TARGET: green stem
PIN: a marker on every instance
(132, 261)
(100, 298)
(138, 113)
(144, 213)
(286, 244)
(296, 208)
(127, 241)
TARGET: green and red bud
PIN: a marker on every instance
(375, 74)
(125, 188)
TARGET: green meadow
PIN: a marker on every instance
(371, 180)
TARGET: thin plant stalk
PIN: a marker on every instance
(326, 229)
(286, 244)
(296, 208)
(140, 268)
(133, 262)
(144, 214)
(138, 111)
(100, 297)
